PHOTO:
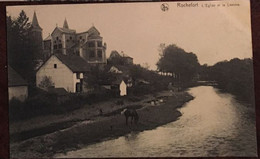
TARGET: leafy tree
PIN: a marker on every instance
(204, 72)
(156, 81)
(175, 60)
(20, 54)
(98, 77)
(46, 83)
(234, 76)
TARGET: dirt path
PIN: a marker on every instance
(100, 128)
(87, 112)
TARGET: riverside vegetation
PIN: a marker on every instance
(234, 76)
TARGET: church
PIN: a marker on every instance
(64, 40)
(68, 56)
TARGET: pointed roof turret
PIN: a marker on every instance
(35, 23)
(65, 25)
(93, 30)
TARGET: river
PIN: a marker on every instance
(213, 124)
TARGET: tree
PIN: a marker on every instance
(204, 72)
(46, 83)
(235, 76)
(175, 60)
(20, 55)
(99, 77)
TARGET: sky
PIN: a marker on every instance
(213, 33)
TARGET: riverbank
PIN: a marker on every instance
(109, 125)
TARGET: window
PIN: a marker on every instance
(60, 46)
(55, 46)
(99, 43)
(57, 38)
(67, 40)
(91, 44)
(55, 65)
(80, 37)
(99, 53)
(92, 54)
(78, 75)
(70, 37)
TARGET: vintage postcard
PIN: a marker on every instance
(150, 79)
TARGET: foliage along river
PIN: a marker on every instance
(213, 124)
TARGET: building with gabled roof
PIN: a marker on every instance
(17, 86)
(88, 44)
(121, 57)
(64, 71)
(75, 63)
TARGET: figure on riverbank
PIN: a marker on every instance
(130, 113)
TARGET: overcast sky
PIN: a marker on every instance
(213, 34)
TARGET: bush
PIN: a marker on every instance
(45, 103)
(34, 106)
(235, 76)
(16, 109)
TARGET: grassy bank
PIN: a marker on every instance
(98, 129)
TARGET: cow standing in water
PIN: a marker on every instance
(130, 113)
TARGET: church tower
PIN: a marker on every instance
(65, 25)
(36, 39)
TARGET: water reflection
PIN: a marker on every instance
(213, 124)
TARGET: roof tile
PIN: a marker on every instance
(74, 62)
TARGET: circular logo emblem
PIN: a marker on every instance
(165, 7)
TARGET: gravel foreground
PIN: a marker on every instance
(107, 126)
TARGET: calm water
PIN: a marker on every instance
(213, 124)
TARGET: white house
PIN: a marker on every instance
(17, 86)
(121, 85)
(123, 88)
(114, 69)
(64, 71)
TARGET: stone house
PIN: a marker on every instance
(65, 72)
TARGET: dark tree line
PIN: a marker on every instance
(234, 76)
(175, 60)
(19, 51)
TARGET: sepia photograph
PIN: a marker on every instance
(139, 79)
